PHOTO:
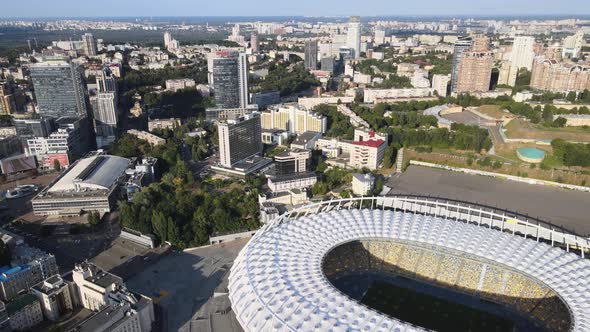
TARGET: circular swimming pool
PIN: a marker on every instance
(530, 155)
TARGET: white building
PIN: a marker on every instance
(353, 36)
(117, 308)
(54, 296)
(179, 84)
(90, 184)
(440, 84)
(523, 52)
(383, 95)
(362, 184)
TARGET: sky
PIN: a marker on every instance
(101, 8)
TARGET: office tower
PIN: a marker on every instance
(475, 68)
(522, 52)
(60, 89)
(254, 43)
(106, 81)
(311, 54)
(353, 38)
(7, 104)
(239, 139)
(89, 44)
(460, 45)
(230, 79)
(30, 128)
(104, 107)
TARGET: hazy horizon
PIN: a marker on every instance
(38, 9)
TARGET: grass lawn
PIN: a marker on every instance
(519, 128)
(431, 312)
(492, 110)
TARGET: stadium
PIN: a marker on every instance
(410, 264)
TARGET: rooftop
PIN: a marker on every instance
(20, 302)
(370, 143)
(93, 173)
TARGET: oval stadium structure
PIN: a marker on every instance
(288, 277)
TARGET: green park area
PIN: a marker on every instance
(519, 128)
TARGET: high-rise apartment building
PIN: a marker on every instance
(7, 104)
(508, 74)
(353, 37)
(230, 79)
(440, 84)
(551, 75)
(523, 52)
(89, 44)
(572, 45)
(475, 68)
(379, 38)
(60, 89)
(167, 39)
(311, 54)
(239, 139)
(293, 119)
(254, 42)
(460, 46)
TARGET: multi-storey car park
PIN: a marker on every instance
(287, 276)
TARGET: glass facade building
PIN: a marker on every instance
(230, 79)
(59, 89)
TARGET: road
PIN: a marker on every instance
(566, 208)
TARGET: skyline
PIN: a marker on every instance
(261, 8)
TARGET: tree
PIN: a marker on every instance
(390, 155)
(559, 123)
(56, 165)
(571, 96)
(93, 218)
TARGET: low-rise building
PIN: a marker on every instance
(15, 279)
(384, 95)
(163, 123)
(117, 309)
(362, 184)
(148, 137)
(24, 312)
(306, 140)
(90, 184)
(179, 84)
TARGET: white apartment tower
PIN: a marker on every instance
(523, 52)
(353, 39)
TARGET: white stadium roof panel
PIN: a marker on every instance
(277, 281)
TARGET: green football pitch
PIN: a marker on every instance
(431, 312)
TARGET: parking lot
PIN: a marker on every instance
(182, 282)
(558, 206)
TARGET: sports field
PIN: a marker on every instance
(431, 312)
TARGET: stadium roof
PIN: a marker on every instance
(277, 282)
(93, 173)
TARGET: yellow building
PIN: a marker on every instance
(293, 119)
